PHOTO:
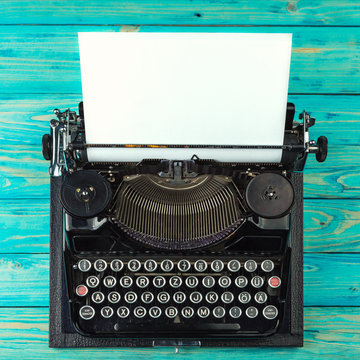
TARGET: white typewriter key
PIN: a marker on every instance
(244, 297)
(87, 312)
(241, 281)
(114, 297)
(147, 297)
(139, 312)
(235, 312)
(150, 265)
(97, 297)
(84, 265)
(92, 281)
(184, 265)
(123, 312)
(208, 281)
(227, 297)
(167, 265)
(163, 297)
(219, 312)
(195, 297)
(224, 281)
(81, 290)
(134, 265)
(100, 265)
(179, 297)
(203, 312)
(142, 282)
(234, 265)
(274, 282)
(175, 281)
(171, 312)
(107, 312)
(126, 281)
(267, 265)
(187, 312)
(217, 265)
(109, 281)
(155, 312)
(200, 265)
(257, 282)
(251, 312)
(191, 282)
(260, 297)
(159, 281)
(270, 312)
(211, 297)
(130, 297)
(250, 265)
(116, 265)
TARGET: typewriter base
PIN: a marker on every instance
(61, 331)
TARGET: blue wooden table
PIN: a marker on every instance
(39, 70)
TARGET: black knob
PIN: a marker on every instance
(47, 147)
(81, 110)
(322, 143)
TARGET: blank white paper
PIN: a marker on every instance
(184, 89)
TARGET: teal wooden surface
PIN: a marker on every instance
(198, 12)
(39, 70)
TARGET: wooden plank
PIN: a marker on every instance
(44, 59)
(201, 12)
(24, 118)
(24, 279)
(329, 225)
(333, 333)
(24, 173)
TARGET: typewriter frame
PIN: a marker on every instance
(62, 332)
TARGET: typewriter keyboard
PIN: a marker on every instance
(188, 295)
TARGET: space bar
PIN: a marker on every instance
(213, 326)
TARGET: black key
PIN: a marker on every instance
(179, 297)
(250, 265)
(244, 297)
(200, 265)
(195, 297)
(155, 312)
(260, 297)
(114, 297)
(109, 281)
(100, 265)
(92, 281)
(235, 312)
(116, 265)
(184, 265)
(167, 265)
(97, 297)
(251, 312)
(203, 312)
(147, 297)
(150, 265)
(107, 312)
(87, 312)
(123, 312)
(84, 265)
(241, 281)
(175, 281)
(234, 265)
(134, 265)
(139, 312)
(219, 312)
(270, 312)
(267, 265)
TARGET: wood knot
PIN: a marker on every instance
(291, 7)
(197, 14)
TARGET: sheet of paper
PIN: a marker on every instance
(184, 89)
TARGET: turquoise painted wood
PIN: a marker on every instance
(333, 333)
(44, 59)
(200, 12)
(330, 226)
(39, 70)
(24, 279)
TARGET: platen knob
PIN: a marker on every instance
(47, 147)
(322, 151)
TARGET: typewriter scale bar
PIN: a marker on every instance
(177, 296)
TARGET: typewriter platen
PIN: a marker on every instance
(173, 249)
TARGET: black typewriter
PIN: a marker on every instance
(174, 252)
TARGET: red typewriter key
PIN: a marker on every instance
(274, 282)
(81, 290)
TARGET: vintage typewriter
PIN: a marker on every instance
(175, 252)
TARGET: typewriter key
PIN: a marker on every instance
(270, 195)
(85, 193)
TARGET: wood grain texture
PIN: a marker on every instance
(24, 118)
(24, 173)
(200, 12)
(44, 59)
(329, 226)
(329, 333)
(24, 279)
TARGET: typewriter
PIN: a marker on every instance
(175, 252)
